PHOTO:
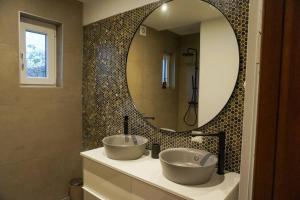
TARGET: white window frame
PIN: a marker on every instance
(50, 32)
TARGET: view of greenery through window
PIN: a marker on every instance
(36, 65)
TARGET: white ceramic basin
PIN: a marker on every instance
(187, 166)
(124, 147)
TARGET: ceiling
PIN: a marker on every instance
(182, 16)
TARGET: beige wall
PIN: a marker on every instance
(219, 67)
(40, 128)
(144, 72)
(95, 10)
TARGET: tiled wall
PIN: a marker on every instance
(106, 97)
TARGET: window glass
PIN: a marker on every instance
(36, 55)
(165, 71)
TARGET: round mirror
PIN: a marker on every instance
(182, 65)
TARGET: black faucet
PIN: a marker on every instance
(126, 119)
(221, 156)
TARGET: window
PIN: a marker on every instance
(37, 53)
(168, 71)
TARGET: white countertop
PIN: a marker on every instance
(149, 171)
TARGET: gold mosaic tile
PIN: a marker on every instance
(106, 96)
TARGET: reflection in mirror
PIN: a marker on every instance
(182, 65)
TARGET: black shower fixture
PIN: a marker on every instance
(193, 103)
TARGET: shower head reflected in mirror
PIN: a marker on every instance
(190, 52)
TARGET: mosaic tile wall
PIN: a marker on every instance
(106, 98)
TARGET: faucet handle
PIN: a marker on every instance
(200, 133)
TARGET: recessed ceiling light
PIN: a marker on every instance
(164, 7)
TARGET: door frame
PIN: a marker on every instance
(268, 99)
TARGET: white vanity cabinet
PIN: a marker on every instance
(102, 182)
(142, 179)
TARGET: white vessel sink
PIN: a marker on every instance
(187, 166)
(124, 147)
